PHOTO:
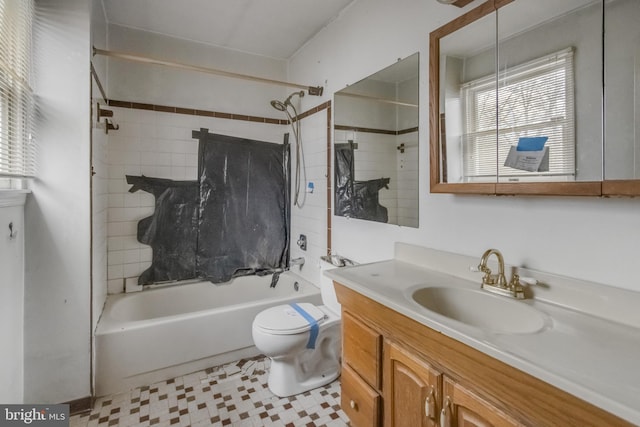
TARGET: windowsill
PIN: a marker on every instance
(10, 197)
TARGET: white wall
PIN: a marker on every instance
(588, 238)
(57, 213)
(11, 297)
(129, 81)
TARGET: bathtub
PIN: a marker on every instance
(157, 334)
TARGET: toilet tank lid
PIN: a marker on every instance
(284, 319)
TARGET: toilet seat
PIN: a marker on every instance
(285, 320)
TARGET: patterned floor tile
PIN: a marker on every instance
(235, 394)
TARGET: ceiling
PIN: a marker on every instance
(273, 28)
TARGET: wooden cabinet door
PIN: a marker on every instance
(463, 408)
(411, 389)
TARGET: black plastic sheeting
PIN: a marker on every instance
(172, 231)
(356, 199)
(244, 207)
(233, 221)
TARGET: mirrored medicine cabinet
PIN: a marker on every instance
(376, 146)
(518, 105)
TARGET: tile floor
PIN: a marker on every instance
(235, 394)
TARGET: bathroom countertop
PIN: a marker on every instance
(590, 356)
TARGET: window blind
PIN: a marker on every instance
(534, 99)
(17, 143)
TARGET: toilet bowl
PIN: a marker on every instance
(303, 342)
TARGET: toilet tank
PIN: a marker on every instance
(327, 291)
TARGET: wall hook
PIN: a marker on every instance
(109, 126)
(12, 232)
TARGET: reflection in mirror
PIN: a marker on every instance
(466, 55)
(549, 101)
(376, 146)
(622, 89)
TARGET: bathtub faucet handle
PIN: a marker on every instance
(297, 261)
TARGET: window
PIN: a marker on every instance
(16, 96)
(534, 99)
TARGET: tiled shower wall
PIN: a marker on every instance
(154, 144)
(311, 219)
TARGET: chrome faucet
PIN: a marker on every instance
(297, 261)
(497, 283)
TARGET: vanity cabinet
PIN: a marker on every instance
(398, 372)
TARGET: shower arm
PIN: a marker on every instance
(312, 90)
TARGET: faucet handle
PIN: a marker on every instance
(516, 287)
(529, 281)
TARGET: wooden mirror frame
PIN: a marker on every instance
(575, 188)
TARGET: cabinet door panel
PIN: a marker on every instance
(411, 389)
(467, 409)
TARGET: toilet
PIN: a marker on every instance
(303, 342)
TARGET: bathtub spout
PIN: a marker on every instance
(274, 279)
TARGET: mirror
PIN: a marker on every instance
(532, 127)
(550, 75)
(622, 90)
(376, 146)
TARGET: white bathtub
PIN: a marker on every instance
(158, 334)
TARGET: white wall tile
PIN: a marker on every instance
(115, 272)
(115, 286)
(133, 269)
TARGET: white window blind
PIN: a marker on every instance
(17, 144)
(534, 99)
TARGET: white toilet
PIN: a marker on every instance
(303, 342)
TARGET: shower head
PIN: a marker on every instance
(282, 106)
(278, 105)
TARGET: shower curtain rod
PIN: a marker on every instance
(375, 98)
(312, 90)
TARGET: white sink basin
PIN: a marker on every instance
(480, 309)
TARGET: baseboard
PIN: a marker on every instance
(78, 406)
